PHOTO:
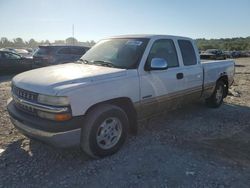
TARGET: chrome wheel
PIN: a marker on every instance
(219, 94)
(109, 133)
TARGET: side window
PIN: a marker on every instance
(77, 51)
(187, 52)
(11, 56)
(65, 50)
(164, 48)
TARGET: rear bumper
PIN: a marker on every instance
(59, 134)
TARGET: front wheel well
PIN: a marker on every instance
(127, 105)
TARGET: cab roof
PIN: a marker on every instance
(150, 36)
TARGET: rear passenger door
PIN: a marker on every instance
(161, 89)
(192, 71)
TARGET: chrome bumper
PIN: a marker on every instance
(58, 134)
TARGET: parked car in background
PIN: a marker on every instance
(9, 49)
(213, 54)
(228, 54)
(20, 51)
(13, 62)
(236, 54)
(53, 55)
(23, 52)
(245, 54)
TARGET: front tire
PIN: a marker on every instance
(217, 97)
(104, 131)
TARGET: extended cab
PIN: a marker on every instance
(96, 101)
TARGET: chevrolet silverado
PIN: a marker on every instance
(93, 103)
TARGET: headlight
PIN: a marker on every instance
(53, 100)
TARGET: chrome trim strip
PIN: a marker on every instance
(172, 95)
(150, 106)
(41, 107)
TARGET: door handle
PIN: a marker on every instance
(179, 75)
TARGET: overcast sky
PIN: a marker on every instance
(95, 19)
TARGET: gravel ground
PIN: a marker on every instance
(190, 147)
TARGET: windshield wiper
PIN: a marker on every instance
(83, 61)
(96, 62)
(104, 63)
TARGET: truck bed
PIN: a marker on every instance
(215, 68)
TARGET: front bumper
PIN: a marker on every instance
(59, 134)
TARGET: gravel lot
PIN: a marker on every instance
(190, 147)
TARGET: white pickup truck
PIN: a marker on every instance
(94, 102)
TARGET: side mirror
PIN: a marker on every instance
(158, 64)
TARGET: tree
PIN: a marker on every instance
(47, 42)
(32, 43)
(224, 44)
(4, 42)
(59, 42)
(19, 42)
(71, 41)
(92, 43)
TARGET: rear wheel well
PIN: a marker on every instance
(224, 78)
(127, 105)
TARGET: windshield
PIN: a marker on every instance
(41, 51)
(118, 52)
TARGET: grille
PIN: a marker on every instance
(25, 108)
(26, 95)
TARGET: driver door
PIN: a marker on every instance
(161, 89)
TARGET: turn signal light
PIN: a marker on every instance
(55, 117)
(62, 117)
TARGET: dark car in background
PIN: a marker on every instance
(53, 55)
(21, 51)
(213, 54)
(11, 62)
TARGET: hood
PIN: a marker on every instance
(50, 80)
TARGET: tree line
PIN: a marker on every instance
(32, 43)
(230, 44)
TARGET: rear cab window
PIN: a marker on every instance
(187, 52)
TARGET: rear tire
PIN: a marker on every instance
(217, 97)
(104, 131)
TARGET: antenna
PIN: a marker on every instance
(73, 34)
